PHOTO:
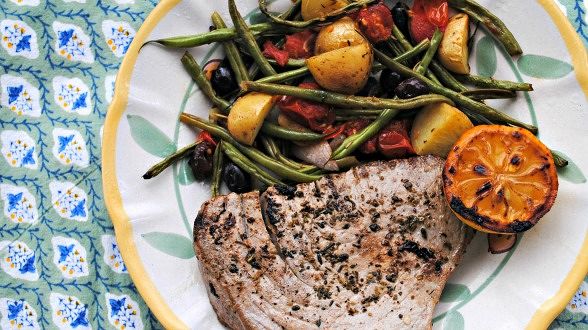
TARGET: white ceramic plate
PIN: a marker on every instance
(153, 219)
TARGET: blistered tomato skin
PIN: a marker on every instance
(272, 52)
(355, 126)
(315, 116)
(393, 140)
(376, 22)
(300, 45)
(427, 16)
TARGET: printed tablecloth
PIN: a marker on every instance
(61, 267)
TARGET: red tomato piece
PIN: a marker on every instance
(273, 52)
(393, 140)
(428, 15)
(355, 126)
(301, 44)
(206, 137)
(376, 22)
(315, 116)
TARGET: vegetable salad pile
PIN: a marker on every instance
(330, 84)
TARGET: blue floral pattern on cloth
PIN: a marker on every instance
(18, 260)
(69, 201)
(18, 149)
(72, 95)
(17, 314)
(18, 38)
(70, 257)
(69, 312)
(72, 43)
(112, 255)
(123, 312)
(70, 147)
(118, 35)
(20, 205)
(20, 96)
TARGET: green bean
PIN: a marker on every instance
(436, 69)
(342, 100)
(197, 75)
(491, 22)
(559, 159)
(435, 42)
(489, 93)
(263, 7)
(255, 155)
(217, 170)
(359, 112)
(354, 141)
(219, 35)
(347, 162)
(156, 169)
(232, 51)
(247, 165)
(411, 53)
(285, 76)
(289, 135)
(297, 63)
(446, 77)
(461, 100)
(274, 151)
(487, 82)
(249, 39)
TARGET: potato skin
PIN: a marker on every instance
(247, 116)
(453, 50)
(343, 33)
(345, 70)
(319, 8)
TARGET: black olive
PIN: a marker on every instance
(236, 179)
(200, 160)
(410, 88)
(389, 80)
(401, 17)
(223, 79)
(371, 88)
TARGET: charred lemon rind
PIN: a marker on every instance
(499, 179)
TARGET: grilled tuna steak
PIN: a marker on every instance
(370, 248)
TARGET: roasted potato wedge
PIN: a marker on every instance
(343, 33)
(247, 116)
(345, 70)
(319, 8)
(436, 128)
(453, 50)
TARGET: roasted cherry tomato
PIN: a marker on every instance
(376, 22)
(301, 44)
(393, 140)
(355, 126)
(428, 15)
(271, 51)
(315, 116)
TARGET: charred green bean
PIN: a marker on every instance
(197, 75)
(235, 59)
(156, 169)
(287, 134)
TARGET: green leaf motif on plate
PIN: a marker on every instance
(454, 321)
(171, 244)
(486, 61)
(149, 137)
(544, 67)
(185, 175)
(455, 292)
(572, 172)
